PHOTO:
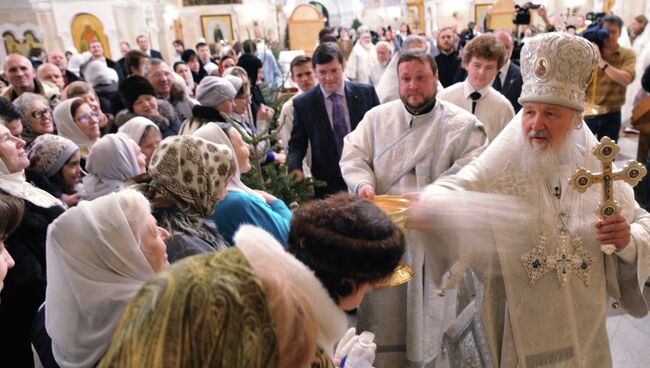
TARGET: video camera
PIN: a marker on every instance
(522, 13)
(595, 32)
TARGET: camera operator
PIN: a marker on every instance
(606, 91)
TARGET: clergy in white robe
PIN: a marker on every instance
(362, 59)
(388, 86)
(542, 290)
(400, 147)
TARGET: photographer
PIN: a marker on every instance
(606, 91)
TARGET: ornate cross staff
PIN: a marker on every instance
(632, 173)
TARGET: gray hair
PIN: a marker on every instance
(385, 44)
(25, 101)
(411, 40)
(153, 62)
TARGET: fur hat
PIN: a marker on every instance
(556, 68)
(133, 87)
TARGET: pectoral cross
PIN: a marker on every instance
(632, 173)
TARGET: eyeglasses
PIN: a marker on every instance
(85, 119)
(160, 75)
(38, 114)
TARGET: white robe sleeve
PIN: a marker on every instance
(357, 157)
(634, 269)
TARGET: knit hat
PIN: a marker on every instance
(48, 153)
(133, 87)
(214, 90)
(556, 68)
(96, 72)
(235, 81)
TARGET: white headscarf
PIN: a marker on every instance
(67, 127)
(111, 161)
(212, 132)
(94, 268)
(15, 184)
(135, 127)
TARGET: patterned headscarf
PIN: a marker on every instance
(188, 173)
(174, 320)
(50, 152)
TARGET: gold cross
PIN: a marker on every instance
(632, 173)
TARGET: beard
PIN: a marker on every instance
(557, 161)
(426, 101)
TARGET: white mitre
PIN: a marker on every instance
(556, 68)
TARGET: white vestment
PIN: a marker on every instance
(514, 323)
(360, 62)
(376, 72)
(285, 122)
(492, 109)
(398, 152)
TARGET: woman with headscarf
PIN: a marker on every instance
(241, 116)
(100, 92)
(24, 287)
(35, 115)
(187, 178)
(145, 133)
(243, 205)
(140, 99)
(216, 98)
(263, 320)
(190, 57)
(99, 255)
(77, 121)
(181, 69)
(55, 166)
(112, 160)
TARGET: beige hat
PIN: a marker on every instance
(556, 68)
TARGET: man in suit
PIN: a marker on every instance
(508, 81)
(324, 115)
(143, 43)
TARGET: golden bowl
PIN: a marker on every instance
(402, 274)
(394, 206)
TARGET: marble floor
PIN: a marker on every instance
(629, 338)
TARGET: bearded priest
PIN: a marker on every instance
(531, 240)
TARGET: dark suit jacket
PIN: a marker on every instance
(512, 87)
(115, 66)
(155, 54)
(311, 125)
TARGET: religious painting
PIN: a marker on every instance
(481, 13)
(11, 43)
(86, 28)
(14, 45)
(210, 2)
(216, 28)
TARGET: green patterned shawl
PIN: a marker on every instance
(207, 310)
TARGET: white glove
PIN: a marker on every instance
(361, 356)
(345, 344)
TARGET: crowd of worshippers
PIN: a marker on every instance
(129, 239)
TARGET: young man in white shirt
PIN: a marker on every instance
(483, 57)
